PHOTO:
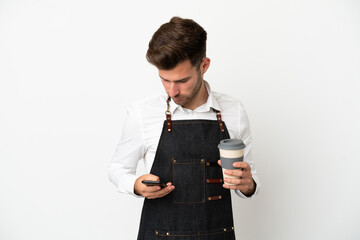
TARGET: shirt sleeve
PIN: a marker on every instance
(245, 135)
(130, 149)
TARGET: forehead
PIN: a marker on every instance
(181, 71)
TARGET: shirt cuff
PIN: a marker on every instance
(129, 184)
(240, 194)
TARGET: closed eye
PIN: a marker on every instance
(183, 80)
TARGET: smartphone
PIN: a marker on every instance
(153, 183)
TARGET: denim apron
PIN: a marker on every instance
(199, 208)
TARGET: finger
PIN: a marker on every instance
(238, 181)
(243, 165)
(239, 173)
(159, 193)
(151, 177)
(150, 189)
(219, 162)
(157, 188)
(164, 191)
(235, 187)
(235, 172)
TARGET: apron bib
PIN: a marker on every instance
(199, 208)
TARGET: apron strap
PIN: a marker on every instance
(168, 117)
(218, 115)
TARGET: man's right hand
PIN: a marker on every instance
(151, 192)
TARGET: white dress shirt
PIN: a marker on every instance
(143, 126)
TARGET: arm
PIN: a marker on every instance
(249, 184)
(122, 168)
(130, 149)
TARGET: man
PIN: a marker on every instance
(179, 148)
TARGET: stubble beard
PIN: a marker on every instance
(193, 94)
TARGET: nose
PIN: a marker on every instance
(173, 90)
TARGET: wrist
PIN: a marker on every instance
(251, 189)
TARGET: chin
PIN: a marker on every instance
(178, 100)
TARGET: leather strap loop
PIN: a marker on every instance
(214, 180)
(217, 197)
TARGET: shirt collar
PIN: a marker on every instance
(206, 107)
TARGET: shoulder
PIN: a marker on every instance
(148, 107)
(234, 115)
(228, 103)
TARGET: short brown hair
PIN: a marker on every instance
(176, 41)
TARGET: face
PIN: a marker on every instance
(184, 83)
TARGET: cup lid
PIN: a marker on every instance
(231, 144)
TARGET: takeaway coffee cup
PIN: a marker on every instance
(231, 150)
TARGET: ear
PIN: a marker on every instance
(205, 64)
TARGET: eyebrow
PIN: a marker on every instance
(183, 79)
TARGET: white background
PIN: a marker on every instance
(68, 70)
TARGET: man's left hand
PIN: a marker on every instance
(245, 183)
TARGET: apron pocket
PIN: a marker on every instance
(189, 180)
